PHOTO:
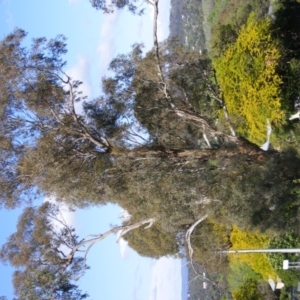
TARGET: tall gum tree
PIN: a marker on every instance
(38, 109)
(44, 252)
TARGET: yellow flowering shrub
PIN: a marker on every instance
(249, 82)
(251, 240)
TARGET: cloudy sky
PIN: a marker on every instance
(117, 272)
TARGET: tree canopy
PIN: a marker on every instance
(37, 251)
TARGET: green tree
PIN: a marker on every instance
(41, 123)
(36, 250)
(42, 284)
(89, 158)
(152, 242)
(189, 92)
(48, 256)
(111, 6)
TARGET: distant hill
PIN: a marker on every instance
(176, 18)
(188, 23)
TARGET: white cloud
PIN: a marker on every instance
(138, 282)
(81, 71)
(124, 249)
(68, 216)
(162, 24)
(107, 47)
(124, 215)
(65, 214)
(139, 29)
(166, 280)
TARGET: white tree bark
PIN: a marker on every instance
(165, 90)
(99, 237)
(83, 131)
(189, 233)
(295, 116)
(200, 120)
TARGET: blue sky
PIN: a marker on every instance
(117, 272)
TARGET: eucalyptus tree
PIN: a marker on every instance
(101, 154)
(37, 108)
(45, 252)
(133, 6)
(42, 134)
(36, 250)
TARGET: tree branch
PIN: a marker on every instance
(189, 233)
(164, 89)
(122, 229)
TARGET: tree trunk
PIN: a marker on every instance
(239, 147)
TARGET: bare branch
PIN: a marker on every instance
(189, 233)
(122, 229)
(213, 132)
(188, 240)
(102, 142)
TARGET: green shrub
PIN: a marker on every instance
(257, 261)
(239, 272)
(289, 240)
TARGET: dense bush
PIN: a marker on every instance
(289, 240)
(257, 261)
(249, 81)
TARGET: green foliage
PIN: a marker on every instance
(289, 240)
(289, 277)
(152, 242)
(208, 238)
(41, 268)
(248, 291)
(239, 273)
(55, 170)
(247, 76)
(219, 6)
(43, 285)
(224, 36)
(285, 294)
(188, 78)
(231, 15)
